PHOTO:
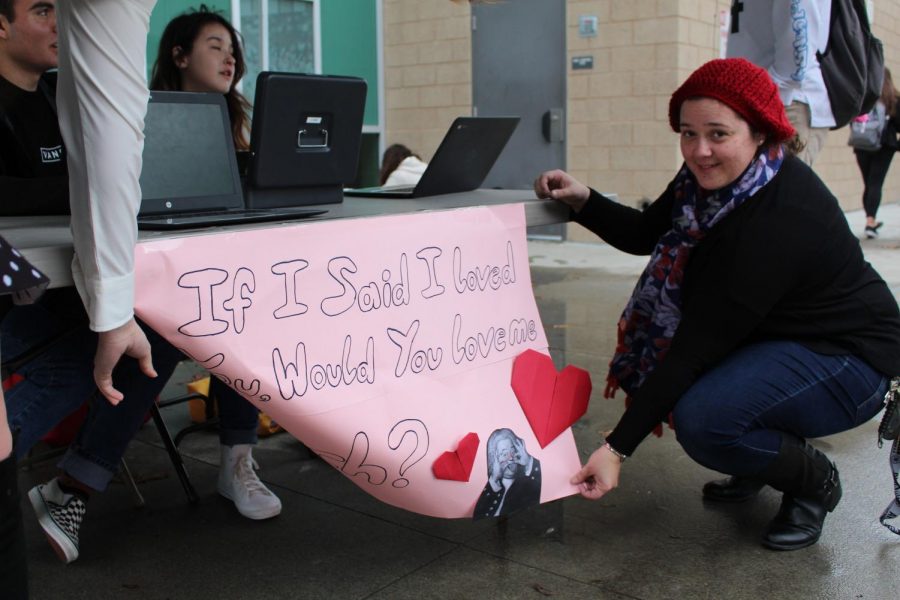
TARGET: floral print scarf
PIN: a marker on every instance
(653, 313)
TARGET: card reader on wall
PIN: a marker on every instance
(305, 139)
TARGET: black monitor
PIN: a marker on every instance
(305, 139)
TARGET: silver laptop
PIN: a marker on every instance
(462, 161)
(190, 175)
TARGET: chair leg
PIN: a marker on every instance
(208, 425)
(174, 455)
(33, 458)
(139, 501)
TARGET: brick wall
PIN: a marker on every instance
(618, 134)
(427, 70)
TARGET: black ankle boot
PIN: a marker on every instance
(732, 489)
(799, 521)
(812, 488)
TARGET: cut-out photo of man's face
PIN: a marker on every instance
(514, 476)
(507, 456)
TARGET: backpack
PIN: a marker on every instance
(852, 63)
(866, 132)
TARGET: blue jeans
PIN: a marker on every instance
(732, 418)
(61, 379)
(94, 456)
(238, 418)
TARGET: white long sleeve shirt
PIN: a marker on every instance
(102, 98)
(783, 37)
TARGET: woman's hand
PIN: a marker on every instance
(600, 474)
(562, 187)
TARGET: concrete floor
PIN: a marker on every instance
(652, 538)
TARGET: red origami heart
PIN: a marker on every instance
(457, 465)
(551, 402)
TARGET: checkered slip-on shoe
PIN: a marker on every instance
(59, 515)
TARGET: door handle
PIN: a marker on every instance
(553, 125)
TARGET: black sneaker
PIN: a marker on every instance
(872, 232)
(59, 515)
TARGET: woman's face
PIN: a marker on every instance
(716, 143)
(210, 65)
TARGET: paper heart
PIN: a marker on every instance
(456, 465)
(551, 401)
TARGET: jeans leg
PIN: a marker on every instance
(59, 380)
(732, 419)
(238, 417)
(93, 458)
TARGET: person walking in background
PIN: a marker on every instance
(783, 36)
(874, 164)
(399, 166)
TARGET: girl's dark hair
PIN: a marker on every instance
(889, 92)
(181, 33)
(392, 158)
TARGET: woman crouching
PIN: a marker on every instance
(757, 323)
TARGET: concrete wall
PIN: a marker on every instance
(618, 134)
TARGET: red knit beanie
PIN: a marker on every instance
(744, 87)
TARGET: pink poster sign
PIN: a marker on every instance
(380, 343)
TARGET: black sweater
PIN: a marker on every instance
(783, 266)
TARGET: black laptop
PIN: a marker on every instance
(305, 140)
(462, 161)
(190, 176)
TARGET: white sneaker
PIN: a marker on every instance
(238, 482)
(59, 515)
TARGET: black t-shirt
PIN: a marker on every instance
(33, 170)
